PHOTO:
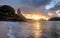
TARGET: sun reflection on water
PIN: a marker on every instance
(37, 29)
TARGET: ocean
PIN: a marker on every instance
(34, 29)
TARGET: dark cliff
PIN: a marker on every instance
(7, 13)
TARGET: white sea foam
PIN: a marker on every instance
(10, 32)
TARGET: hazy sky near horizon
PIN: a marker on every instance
(27, 5)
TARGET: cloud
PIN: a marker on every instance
(9, 2)
(58, 13)
(52, 14)
(36, 2)
(27, 5)
(33, 5)
(56, 7)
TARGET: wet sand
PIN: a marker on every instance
(3, 30)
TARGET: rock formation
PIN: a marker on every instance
(7, 13)
(20, 15)
(54, 19)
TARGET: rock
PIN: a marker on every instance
(54, 19)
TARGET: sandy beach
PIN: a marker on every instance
(3, 30)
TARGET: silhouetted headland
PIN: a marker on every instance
(54, 19)
(7, 13)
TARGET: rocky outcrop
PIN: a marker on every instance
(20, 15)
(54, 19)
(7, 13)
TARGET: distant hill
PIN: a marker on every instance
(7, 13)
(54, 19)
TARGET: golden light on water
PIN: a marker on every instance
(37, 29)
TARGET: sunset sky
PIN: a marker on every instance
(31, 5)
